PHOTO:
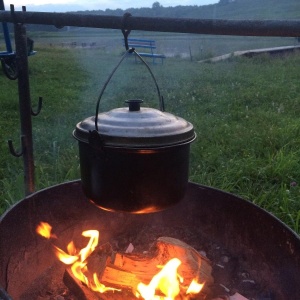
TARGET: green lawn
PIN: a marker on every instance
(245, 112)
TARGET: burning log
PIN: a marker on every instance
(127, 270)
(82, 292)
(144, 266)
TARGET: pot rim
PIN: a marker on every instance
(137, 146)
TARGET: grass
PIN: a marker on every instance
(54, 76)
(245, 113)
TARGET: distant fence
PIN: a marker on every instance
(78, 45)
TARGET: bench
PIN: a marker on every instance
(146, 44)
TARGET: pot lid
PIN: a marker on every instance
(136, 127)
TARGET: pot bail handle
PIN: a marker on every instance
(128, 51)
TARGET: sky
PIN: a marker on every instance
(73, 5)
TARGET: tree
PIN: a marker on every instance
(156, 5)
(224, 2)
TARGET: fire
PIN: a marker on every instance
(167, 284)
(166, 281)
(147, 210)
(195, 287)
(44, 229)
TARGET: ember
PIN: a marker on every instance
(164, 284)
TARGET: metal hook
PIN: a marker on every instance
(12, 149)
(39, 108)
(57, 25)
(12, 12)
(125, 31)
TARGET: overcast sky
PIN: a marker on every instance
(67, 5)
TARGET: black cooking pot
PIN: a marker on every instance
(137, 160)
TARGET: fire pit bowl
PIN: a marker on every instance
(247, 232)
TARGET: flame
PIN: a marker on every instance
(150, 209)
(64, 257)
(78, 269)
(194, 287)
(99, 287)
(167, 282)
(77, 257)
(90, 247)
(165, 285)
(71, 248)
(44, 229)
(78, 260)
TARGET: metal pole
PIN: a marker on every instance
(288, 28)
(25, 106)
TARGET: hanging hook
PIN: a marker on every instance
(12, 12)
(12, 8)
(12, 149)
(125, 31)
(39, 108)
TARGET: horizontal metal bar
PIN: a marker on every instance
(287, 28)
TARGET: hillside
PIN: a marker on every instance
(235, 9)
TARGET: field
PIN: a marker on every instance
(245, 111)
